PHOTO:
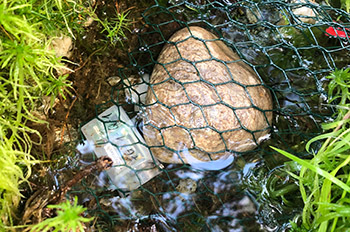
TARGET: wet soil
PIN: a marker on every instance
(94, 59)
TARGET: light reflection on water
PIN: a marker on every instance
(235, 194)
(211, 165)
(215, 200)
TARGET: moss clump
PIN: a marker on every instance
(28, 69)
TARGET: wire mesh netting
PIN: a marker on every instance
(211, 87)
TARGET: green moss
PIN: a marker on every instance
(28, 68)
(68, 218)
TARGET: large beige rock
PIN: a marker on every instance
(203, 101)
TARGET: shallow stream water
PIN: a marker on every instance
(253, 193)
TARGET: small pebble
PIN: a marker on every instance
(187, 186)
(114, 80)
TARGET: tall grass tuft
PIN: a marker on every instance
(324, 181)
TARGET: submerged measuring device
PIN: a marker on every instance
(115, 135)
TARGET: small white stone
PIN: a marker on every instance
(187, 186)
(62, 46)
(114, 80)
(304, 11)
(88, 22)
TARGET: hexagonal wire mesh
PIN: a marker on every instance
(204, 104)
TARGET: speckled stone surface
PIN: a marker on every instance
(203, 100)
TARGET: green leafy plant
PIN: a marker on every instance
(339, 91)
(28, 68)
(68, 218)
(58, 16)
(324, 180)
(12, 163)
(116, 27)
(59, 86)
(325, 185)
(344, 4)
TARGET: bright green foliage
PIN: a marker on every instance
(58, 86)
(58, 16)
(68, 218)
(13, 25)
(296, 228)
(325, 179)
(346, 5)
(28, 68)
(11, 176)
(339, 90)
(325, 184)
(115, 27)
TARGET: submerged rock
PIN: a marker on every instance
(203, 101)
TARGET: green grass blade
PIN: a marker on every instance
(314, 169)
